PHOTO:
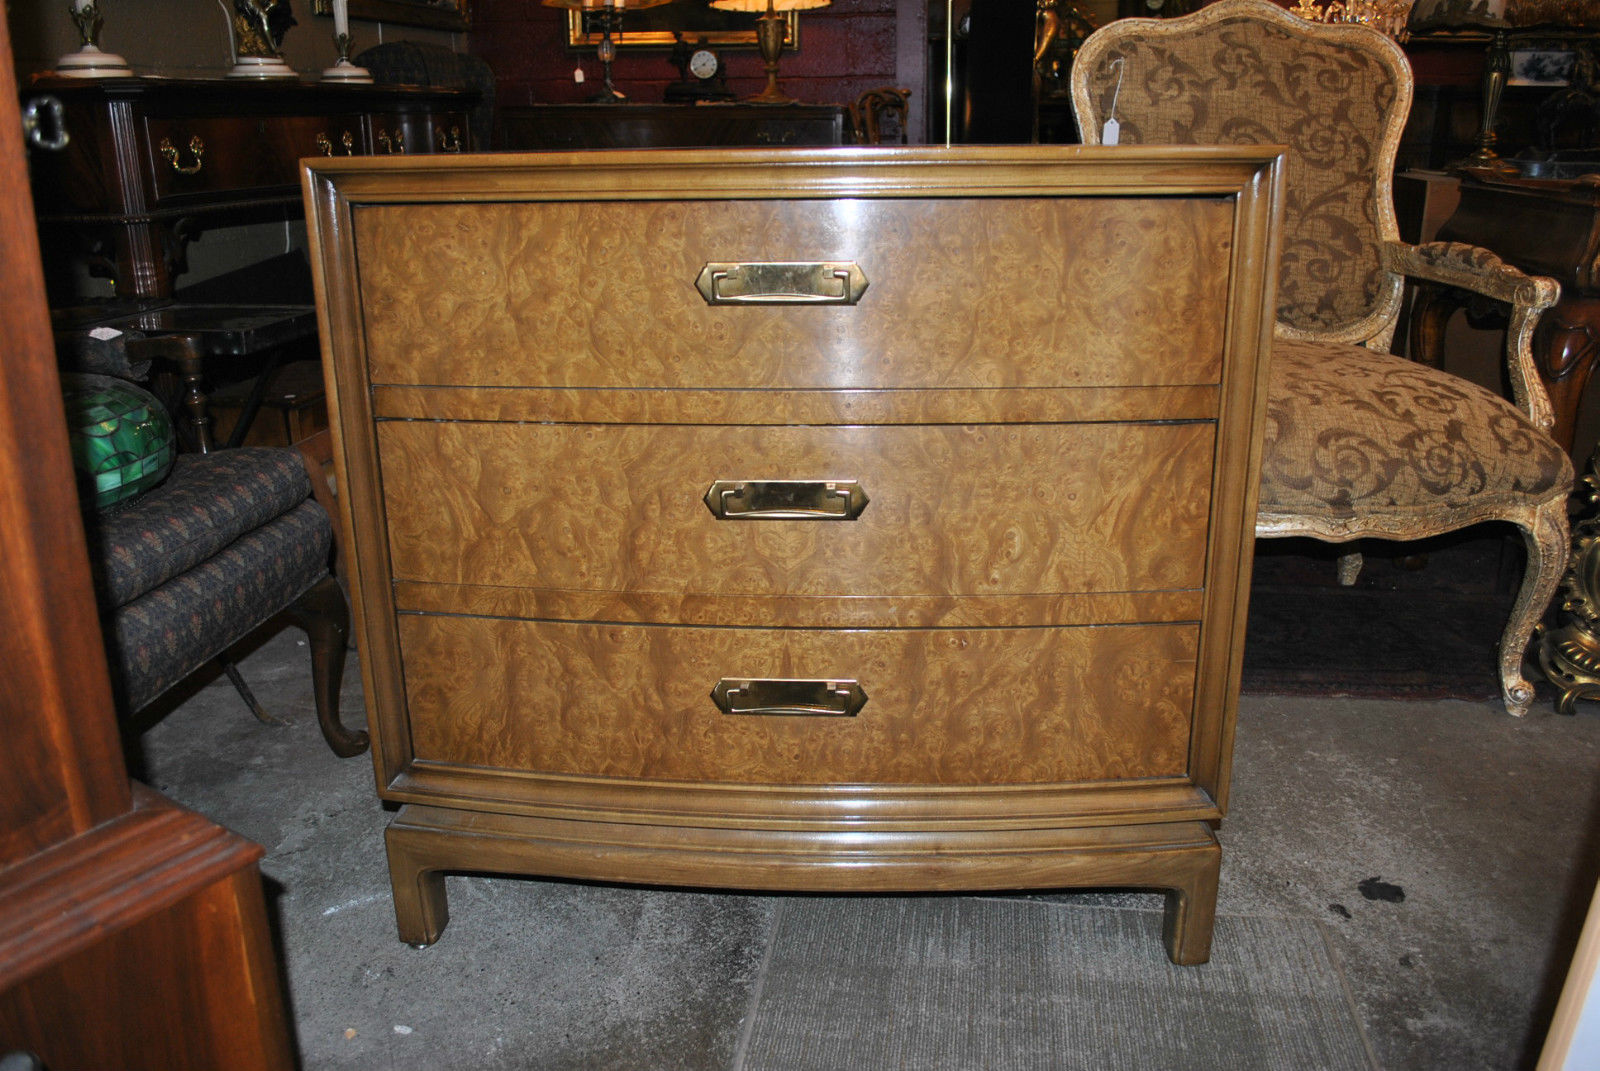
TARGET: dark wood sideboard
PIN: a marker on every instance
(152, 161)
(1544, 227)
(672, 126)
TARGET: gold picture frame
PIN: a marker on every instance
(659, 27)
(434, 14)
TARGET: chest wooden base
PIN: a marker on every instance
(1182, 858)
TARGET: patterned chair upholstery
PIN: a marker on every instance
(230, 540)
(1359, 443)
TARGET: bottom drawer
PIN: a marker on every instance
(943, 706)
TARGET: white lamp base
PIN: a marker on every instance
(345, 71)
(90, 62)
(261, 67)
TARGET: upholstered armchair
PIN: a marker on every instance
(1359, 443)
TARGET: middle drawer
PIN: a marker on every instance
(993, 509)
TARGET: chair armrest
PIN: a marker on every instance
(316, 454)
(1470, 267)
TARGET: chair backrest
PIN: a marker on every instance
(1247, 71)
(871, 108)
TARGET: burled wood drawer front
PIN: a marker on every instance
(955, 707)
(213, 154)
(981, 292)
(952, 510)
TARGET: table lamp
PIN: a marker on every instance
(608, 15)
(771, 30)
(1488, 16)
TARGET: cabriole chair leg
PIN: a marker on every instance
(325, 616)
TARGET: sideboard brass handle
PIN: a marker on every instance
(197, 149)
(786, 500)
(347, 139)
(826, 699)
(831, 282)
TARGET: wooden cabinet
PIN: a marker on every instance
(869, 521)
(150, 161)
(133, 934)
(670, 126)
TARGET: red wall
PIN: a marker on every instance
(845, 48)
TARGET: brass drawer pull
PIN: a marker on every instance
(325, 146)
(832, 282)
(786, 500)
(197, 149)
(826, 699)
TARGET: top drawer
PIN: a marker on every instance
(961, 293)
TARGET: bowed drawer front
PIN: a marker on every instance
(875, 521)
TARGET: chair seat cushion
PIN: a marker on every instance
(1352, 433)
(207, 502)
(167, 633)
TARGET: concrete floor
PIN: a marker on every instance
(1487, 826)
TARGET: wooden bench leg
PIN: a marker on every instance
(325, 616)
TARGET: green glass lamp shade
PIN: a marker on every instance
(121, 438)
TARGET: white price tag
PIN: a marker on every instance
(1111, 132)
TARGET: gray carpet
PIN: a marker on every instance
(1016, 985)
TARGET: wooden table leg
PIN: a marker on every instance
(1565, 346)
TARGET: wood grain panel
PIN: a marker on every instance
(964, 292)
(980, 510)
(956, 707)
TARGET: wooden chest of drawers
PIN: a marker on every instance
(837, 520)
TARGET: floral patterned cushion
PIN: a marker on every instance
(1354, 432)
(1241, 80)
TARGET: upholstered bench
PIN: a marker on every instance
(228, 541)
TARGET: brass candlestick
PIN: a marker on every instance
(343, 70)
(89, 61)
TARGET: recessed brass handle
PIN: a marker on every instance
(831, 282)
(819, 698)
(786, 500)
(169, 153)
